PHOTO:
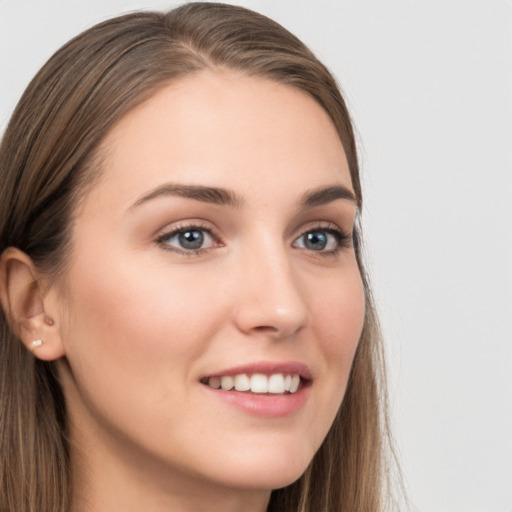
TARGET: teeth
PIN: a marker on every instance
(214, 382)
(287, 382)
(295, 384)
(242, 382)
(259, 383)
(227, 383)
(276, 383)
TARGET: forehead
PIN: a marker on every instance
(224, 129)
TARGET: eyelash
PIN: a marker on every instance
(161, 240)
(342, 238)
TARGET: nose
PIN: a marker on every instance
(270, 299)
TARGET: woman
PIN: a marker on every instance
(186, 320)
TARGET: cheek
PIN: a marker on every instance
(133, 335)
(134, 332)
(338, 314)
(128, 306)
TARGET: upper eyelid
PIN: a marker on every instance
(173, 230)
(178, 226)
(332, 228)
(319, 225)
(207, 226)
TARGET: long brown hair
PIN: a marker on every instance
(48, 156)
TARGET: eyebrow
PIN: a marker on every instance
(225, 197)
(213, 195)
(325, 195)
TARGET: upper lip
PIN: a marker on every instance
(266, 368)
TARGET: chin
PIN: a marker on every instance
(272, 473)
(275, 479)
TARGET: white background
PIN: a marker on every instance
(429, 84)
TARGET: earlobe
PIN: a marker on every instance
(22, 297)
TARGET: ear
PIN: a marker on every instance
(22, 296)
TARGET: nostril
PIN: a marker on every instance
(276, 333)
(265, 328)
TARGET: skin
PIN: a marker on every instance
(139, 320)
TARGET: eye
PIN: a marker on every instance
(327, 240)
(188, 239)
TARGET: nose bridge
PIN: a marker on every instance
(270, 296)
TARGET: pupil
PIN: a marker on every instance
(191, 239)
(316, 241)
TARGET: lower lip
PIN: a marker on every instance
(264, 405)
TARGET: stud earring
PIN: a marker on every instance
(36, 343)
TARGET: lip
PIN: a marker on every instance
(264, 405)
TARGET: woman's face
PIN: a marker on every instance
(215, 247)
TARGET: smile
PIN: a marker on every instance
(276, 383)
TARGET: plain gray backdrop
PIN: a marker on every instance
(429, 85)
